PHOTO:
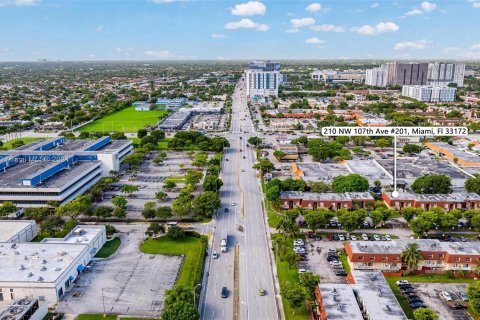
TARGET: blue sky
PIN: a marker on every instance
(215, 29)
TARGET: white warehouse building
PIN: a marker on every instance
(430, 93)
(46, 270)
(17, 230)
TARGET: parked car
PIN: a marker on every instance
(383, 238)
(414, 300)
(445, 295)
(341, 273)
(215, 255)
(457, 306)
(388, 238)
(226, 210)
(417, 305)
(376, 237)
(364, 237)
(463, 296)
(353, 238)
(341, 237)
(400, 282)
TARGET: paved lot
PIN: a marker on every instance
(430, 293)
(128, 283)
(317, 260)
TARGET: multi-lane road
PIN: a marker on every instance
(245, 225)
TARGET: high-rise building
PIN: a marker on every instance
(401, 73)
(430, 93)
(442, 73)
(377, 77)
(263, 78)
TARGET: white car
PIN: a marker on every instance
(215, 255)
(364, 237)
(388, 238)
(335, 263)
(301, 270)
(400, 282)
(445, 295)
(298, 242)
(353, 238)
(341, 237)
(234, 204)
(376, 237)
(299, 250)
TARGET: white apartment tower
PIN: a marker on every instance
(377, 77)
(442, 73)
(262, 78)
(430, 93)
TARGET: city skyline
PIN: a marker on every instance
(225, 30)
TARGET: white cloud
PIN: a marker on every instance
(419, 44)
(124, 50)
(472, 52)
(91, 56)
(450, 50)
(475, 3)
(161, 1)
(250, 8)
(314, 40)
(4, 49)
(246, 24)
(381, 27)
(475, 47)
(428, 6)
(19, 3)
(314, 7)
(99, 28)
(375, 5)
(218, 36)
(296, 24)
(158, 54)
(423, 8)
(328, 28)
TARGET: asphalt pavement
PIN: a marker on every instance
(245, 225)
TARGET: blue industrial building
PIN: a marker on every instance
(57, 169)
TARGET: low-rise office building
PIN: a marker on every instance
(332, 201)
(17, 230)
(46, 270)
(376, 298)
(461, 157)
(171, 103)
(448, 201)
(337, 301)
(436, 255)
(57, 169)
(338, 76)
(178, 119)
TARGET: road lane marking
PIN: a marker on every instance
(236, 283)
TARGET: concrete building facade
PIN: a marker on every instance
(449, 201)
(333, 201)
(442, 73)
(262, 78)
(434, 93)
(377, 77)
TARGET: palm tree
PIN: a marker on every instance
(411, 255)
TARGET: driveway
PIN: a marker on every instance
(128, 283)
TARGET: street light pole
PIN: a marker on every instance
(194, 294)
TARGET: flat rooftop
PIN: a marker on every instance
(325, 172)
(9, 229)
(36, 262)
(79, 235)
(340, 302)
(327, 196)
(458, 153)
(377, 296)
(396, 247)
(439, 197)
(370, 170)
(12, 177)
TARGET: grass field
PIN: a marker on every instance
(126, 120)
(27, 140)
(109, 248)
(288, 275)
(193, 249)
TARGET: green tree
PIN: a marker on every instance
(411, 256)
(475, 221)
(432, 184)
(177, 294)
(103, 211)
(448, 221)
(295, 295)
(212, 183)
(316, 219)
(181, 311)
(182, 205)
(168, 185)
(206, 203)
(148, 211)
(119, 202)
(273, 193)
(193, 177)
(175, 232)
(164, 212)
(351, 183)
(410, 212)
(424, 314)
(155, 229)
(128, 189)
(473, 292)
(254, 141)
(287, 227)
(119, 212)
(473, 184)
(264, 165)
(76, 207)
(160, 195)
(383, 143)
(319, 187)
(142, 133)
(412, 148)
(8, 207)
(309, 281)
(279, 154)
(376, 216)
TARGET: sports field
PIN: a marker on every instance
(126, 120)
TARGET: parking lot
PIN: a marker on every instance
(430, 294)
(128, 283)
(316, 253)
